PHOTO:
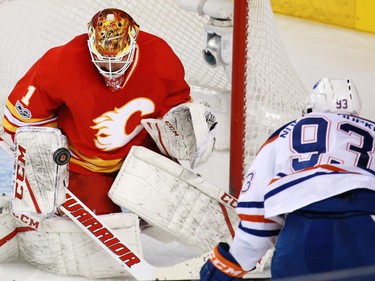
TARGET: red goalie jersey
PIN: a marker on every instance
(64, 89)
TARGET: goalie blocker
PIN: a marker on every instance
(39, 182)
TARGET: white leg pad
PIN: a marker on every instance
(9, 250)
(174, 199)
(59, 246)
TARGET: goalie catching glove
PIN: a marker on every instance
(186, 132)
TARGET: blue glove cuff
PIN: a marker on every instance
(223, 249)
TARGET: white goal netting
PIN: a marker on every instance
(273, 91)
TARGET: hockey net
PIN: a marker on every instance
(266, 91)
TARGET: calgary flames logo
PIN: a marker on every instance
(116, 128)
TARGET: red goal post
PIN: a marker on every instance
(266, 91)
(262, 93)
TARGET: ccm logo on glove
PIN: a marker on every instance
(224, 265)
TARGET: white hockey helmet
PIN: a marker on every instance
(334, 95)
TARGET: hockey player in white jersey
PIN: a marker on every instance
(310, 192)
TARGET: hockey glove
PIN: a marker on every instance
(221, 266)
(186, 132)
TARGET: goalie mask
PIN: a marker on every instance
(334, 95)
(112, 43)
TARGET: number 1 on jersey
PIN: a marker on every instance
(26, 98)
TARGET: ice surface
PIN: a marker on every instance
(6, 168)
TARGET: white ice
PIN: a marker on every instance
(316, 51)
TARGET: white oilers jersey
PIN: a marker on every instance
(310, 159)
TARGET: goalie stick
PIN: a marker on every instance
(119, 251)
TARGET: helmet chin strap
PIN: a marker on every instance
(114, 84)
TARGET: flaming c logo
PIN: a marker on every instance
(117, 127)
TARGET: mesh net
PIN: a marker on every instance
(274, 92)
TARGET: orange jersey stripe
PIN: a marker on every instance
(254, 218)
(324, 166)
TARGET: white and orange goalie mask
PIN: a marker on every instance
(112, 41)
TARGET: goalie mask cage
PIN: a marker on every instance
(264, 91)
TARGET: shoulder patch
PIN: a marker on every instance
(22, 111)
